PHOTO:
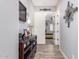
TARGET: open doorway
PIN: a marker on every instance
(41, 23)
(49, 29)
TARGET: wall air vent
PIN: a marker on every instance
(45, 9)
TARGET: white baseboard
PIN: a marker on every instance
(63, 53)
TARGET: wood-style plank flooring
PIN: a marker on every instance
(48, 52)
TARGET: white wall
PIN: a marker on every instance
(9, 29)
(39, 26)
(22, 26)
(57, 28)
(69, 36)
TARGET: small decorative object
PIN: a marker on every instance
(20, 36)
(69, 13)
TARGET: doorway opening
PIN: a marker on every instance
(49, 29)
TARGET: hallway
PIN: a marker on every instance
(48, 52)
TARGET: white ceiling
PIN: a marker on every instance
(45, 2)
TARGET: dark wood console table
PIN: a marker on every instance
(27, 48)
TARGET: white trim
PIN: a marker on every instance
(63, 53)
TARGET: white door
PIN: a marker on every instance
(39, 27)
